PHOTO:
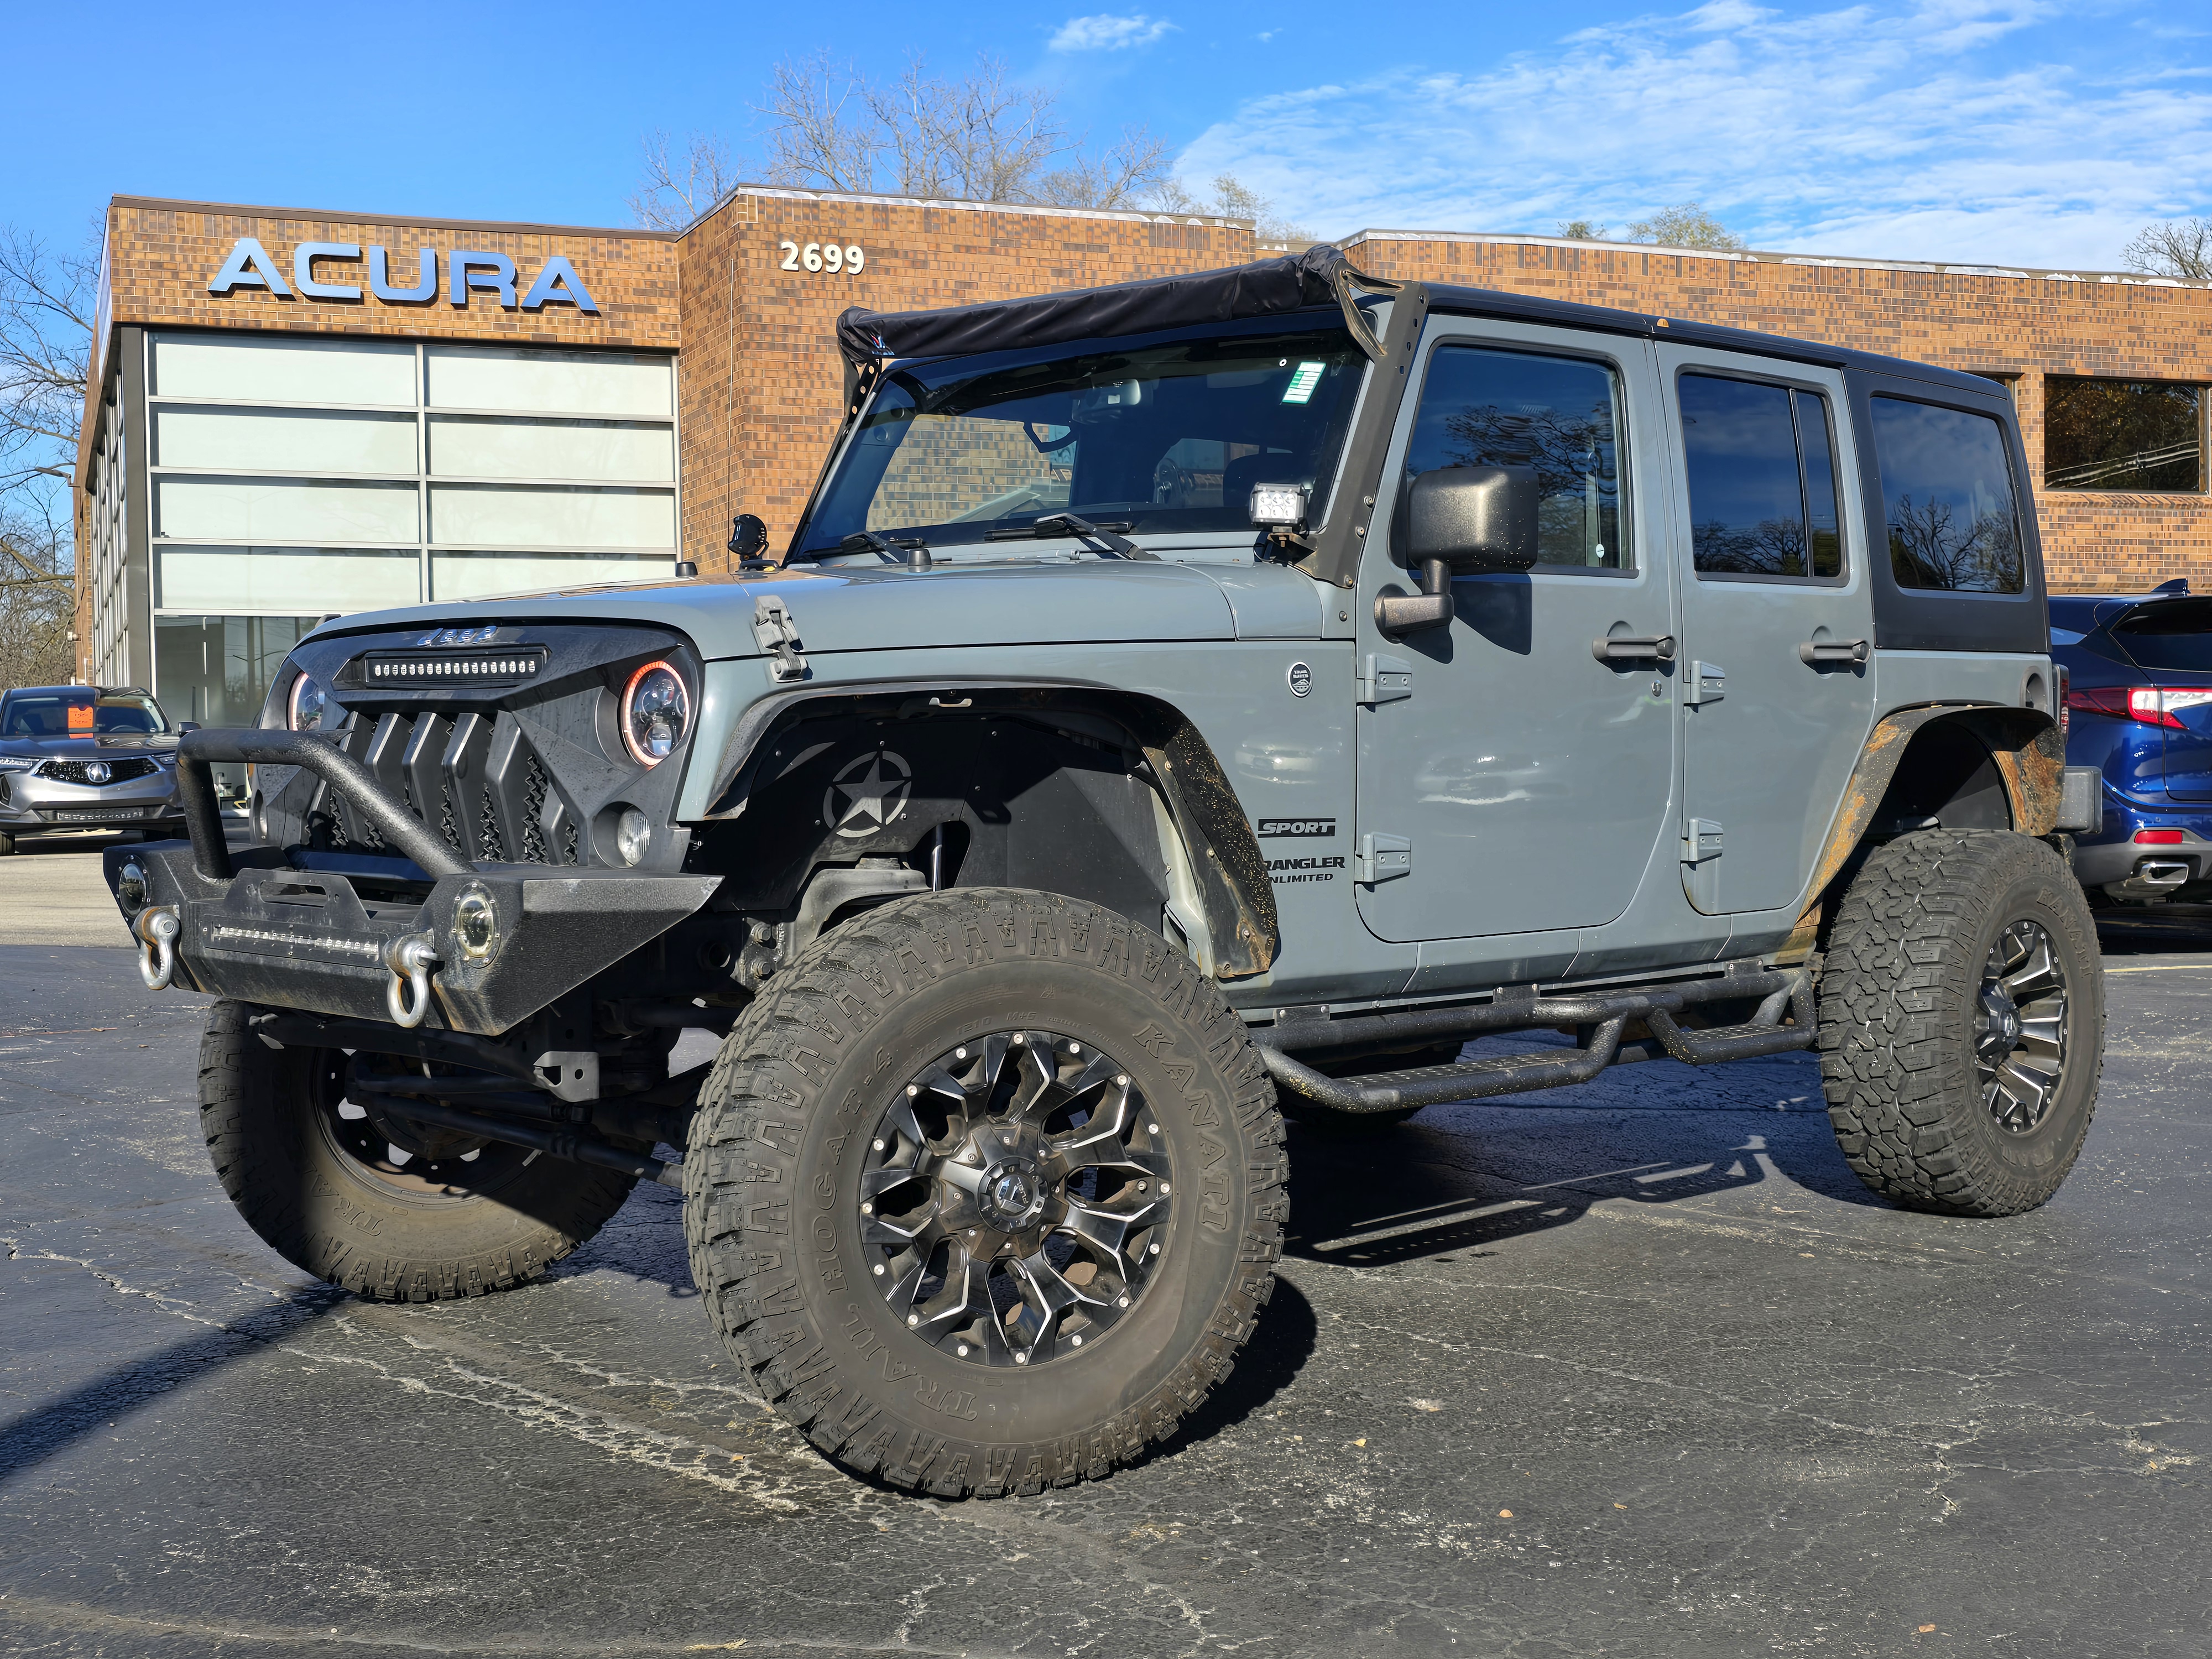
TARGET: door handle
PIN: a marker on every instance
(1817, 654)
(1633, 647)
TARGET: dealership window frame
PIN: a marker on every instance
(2204, 391)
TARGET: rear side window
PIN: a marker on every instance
(1558, 415)
(1762, 479)
(2173, 634)
(1948, 499)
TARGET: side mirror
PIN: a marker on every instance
(188, 725)
(748, 538)
(1461, 521)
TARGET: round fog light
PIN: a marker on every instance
(633, 834)
(130, 888)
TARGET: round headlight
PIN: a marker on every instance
(306, 712)
(656, 709)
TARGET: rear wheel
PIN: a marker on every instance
(1962, 1022)
(388, 1209)
(985, 1191)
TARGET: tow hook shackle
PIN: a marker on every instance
(156, 927)
(407, 998)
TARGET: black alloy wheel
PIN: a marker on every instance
(2019, 1049)
(1015, 1201)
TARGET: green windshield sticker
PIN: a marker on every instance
(1303, 382)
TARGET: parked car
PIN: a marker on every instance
(2139, 709)
(1335, 674)
(87, 757)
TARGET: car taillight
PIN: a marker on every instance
(2158, 837)
(2152, 705)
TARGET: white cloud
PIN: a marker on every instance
(1882, 130)
(1104, 32)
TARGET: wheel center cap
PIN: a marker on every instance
(1012, 1194)
(2000, 1017)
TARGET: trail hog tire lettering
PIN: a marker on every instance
(283, 1156)
(1961, 1022)
(867, 1070)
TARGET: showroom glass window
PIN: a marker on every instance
(1762, 472)
(1947, 500)
(2123, 435)
(1558, 415)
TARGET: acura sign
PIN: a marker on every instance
(468, 270)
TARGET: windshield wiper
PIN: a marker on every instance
(1067, 524)
(912, 552)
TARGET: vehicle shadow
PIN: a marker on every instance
(2139, 930)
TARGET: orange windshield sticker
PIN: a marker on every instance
(80, 717)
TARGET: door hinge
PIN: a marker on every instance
(1701, 840)
(1384, 679)
(1706, 682)
(777, 632)
(1383, 858)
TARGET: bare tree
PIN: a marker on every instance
(1581, 230)
(1235, 201)
(822, 130)
(1686, 224)
(2177, 247)
(38, 595)
(46, 299)
(978, 139)
(682, 181)
(1128, 175)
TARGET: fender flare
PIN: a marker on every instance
(1226, 865)
(2025, 743)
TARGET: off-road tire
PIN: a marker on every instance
(1898, 994)
(773, 1176)
(327, 1216)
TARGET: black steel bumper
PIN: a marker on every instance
(337, 933)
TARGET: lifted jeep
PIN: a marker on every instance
(1179, 702)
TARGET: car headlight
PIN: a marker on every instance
(304, 709)
(17, 763)
(656, 711)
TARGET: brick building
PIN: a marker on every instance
(300, 414)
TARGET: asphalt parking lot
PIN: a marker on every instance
(1639, 1371)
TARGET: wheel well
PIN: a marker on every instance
(1946, 779)
(1102, 796)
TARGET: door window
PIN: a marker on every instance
(1762, 477)
(1947, 496)
(1559, 414)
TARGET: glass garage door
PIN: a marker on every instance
(311, 478)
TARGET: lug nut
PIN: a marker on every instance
(1021, 1359)
(1163, 1189)
(1124, 1077)
(1151, 1128)
(879, 1146)
(867, 1209)
(962, 1350)
(914, 1319)
(1077, 1340)
(1019, 1039)
(1156, 1249)
(1075, 1048)
(912, 1090)
(879, 1270)
(1123, 1302)
(960, 1054)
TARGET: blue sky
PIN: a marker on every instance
(2014, 131)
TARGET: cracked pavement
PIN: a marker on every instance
(1639, 1369)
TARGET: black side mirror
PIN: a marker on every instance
(747, 539)
(187, 726)
(1461, 521)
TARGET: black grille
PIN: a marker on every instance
(118, 771)
(533, 818)
(491, 847)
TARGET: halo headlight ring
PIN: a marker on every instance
(656, 712)
(304, 704)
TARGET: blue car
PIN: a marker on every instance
(2138, 669)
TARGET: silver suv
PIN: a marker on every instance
(1179, 705)
(76, 757)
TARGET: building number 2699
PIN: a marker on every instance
(824, 256)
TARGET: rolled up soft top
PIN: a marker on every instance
(1261, 289)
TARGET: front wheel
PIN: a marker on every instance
(1962, 1022)
(986, 1192)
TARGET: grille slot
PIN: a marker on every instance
(535, 785)
(118, 771)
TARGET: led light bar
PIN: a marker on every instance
(450, 668)
(1278, 506)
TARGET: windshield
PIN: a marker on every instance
(1161, 435)
(2174, 634)
(83, 713)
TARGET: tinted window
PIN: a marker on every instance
(79, 715)
(1946, 498)
(1558, 415)
(1762, 479)
(2176, 633)
(2121, 434)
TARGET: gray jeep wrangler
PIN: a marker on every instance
(1181, 703)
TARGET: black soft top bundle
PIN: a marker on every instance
(1262, 289)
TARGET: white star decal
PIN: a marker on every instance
(870, 793)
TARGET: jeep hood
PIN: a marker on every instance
(1047, 601)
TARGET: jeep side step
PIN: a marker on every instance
(1602, 1016)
